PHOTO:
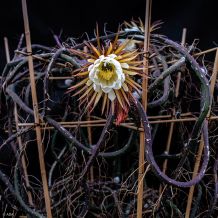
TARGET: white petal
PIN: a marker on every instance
(101, 58)
(106, 89)
(102, 84)
(96, 81)
(117, 85)
(125, 87)
(97, 88)
(122, 78)
(92, 74)
(109, 84)
(125, 65)
(112, 56)
(97, 65)
(96, 76)
(111, 95)
(115, 63)
(90, 67)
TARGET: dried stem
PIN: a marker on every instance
(36, 111)
(144, 102)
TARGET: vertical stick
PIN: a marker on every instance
(201, 146)
(144, 103)
(146, 50)
(6, 49)
(23, 161)
(36, 111)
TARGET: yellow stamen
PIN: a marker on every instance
(106, 71)
(106, 74)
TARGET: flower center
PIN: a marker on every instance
(106, 70)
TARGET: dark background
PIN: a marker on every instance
(76, 17)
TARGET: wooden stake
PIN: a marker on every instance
(126, 125)
(7, 54)
(201, 146)
(144, 103)
(23, 161)
(36, 111)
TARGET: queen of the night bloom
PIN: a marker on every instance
(108, 77)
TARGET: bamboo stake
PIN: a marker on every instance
(144, 103)
(99, 120)
(130, 125)
(23, 161)
(168, 116)
(7, 54)
(36, 111)
(201, 146)
(205, 52)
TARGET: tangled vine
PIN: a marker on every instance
(97, 176)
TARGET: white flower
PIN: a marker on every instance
(108, 77)
(106, 74)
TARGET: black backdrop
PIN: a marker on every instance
(77, 17)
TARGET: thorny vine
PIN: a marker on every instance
(100, 179)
